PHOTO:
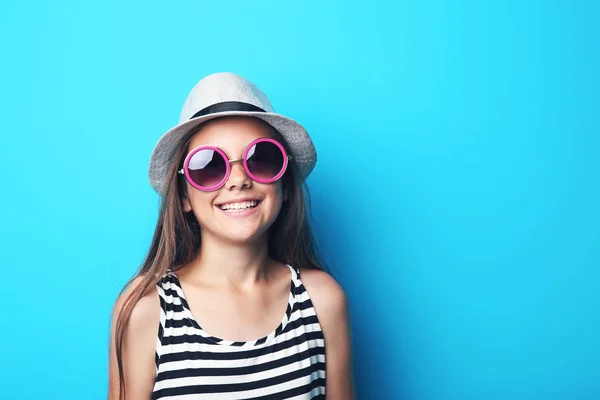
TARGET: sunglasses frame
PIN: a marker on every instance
(228, 162)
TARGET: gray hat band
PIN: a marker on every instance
(227, 106)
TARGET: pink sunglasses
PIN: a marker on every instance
(207, 168)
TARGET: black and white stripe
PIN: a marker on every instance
(289, 363)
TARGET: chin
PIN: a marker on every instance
(240, 230)
(242, 237)
(240, 233)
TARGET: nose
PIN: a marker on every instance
(238, 178)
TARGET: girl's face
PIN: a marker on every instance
(217, 212)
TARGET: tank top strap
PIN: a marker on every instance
(296, 270)
(170, 293)
(296, 281)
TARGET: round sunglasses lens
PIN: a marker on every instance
(265, 160)
(207, 168)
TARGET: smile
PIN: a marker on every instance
(241, 206)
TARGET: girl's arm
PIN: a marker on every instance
(331, 307)
(139, 344)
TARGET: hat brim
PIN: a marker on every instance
(299, 142)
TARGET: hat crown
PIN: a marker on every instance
(223, 87)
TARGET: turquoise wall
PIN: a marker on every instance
(456, 196)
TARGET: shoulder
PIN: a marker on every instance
(145, 310)
(148, 296)
(327, 295)
(323, 285)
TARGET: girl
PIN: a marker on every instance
(231, 301)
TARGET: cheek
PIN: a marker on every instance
(199, 201)
(277, 198)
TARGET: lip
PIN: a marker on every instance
(241, 213)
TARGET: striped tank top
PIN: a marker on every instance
(289, 363)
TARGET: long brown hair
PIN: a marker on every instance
(176, 239)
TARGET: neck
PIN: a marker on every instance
(231, 263)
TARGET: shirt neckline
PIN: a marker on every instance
(263, 340)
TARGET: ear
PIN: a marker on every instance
(187, 207)
(285, 194)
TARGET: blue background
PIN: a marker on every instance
(456, 196)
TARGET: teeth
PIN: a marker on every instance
(239, 206)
